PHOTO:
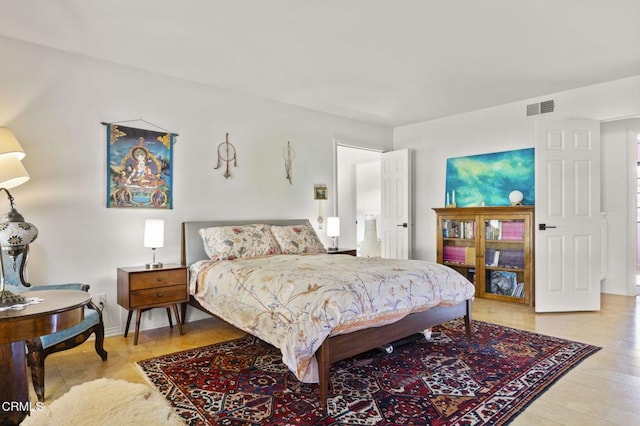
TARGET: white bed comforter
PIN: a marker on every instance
(294, 302)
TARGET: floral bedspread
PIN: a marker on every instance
(294, 302)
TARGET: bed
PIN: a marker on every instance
(350, 316)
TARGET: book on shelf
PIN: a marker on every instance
(512, 258)
(503, 282)
(518, 290)
(508, 230)
(492, 230)
(459, 254)
(471, 275)
(512, 230)
(458, 229)
(491, 257)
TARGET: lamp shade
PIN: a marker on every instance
(154, 233)
(9, 145)
(333, 226)
(12, 172)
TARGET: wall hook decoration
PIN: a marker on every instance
(289, 155)
(227, 154)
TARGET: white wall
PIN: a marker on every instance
(54, 102)
(506, 127)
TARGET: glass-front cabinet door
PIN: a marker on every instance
(459, 245)
(505, 255)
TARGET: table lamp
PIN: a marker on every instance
(333, 231)
(154, 238)
(15, 233)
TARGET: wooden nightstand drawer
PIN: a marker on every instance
(142, 289)
(155, 279)
(158, 296)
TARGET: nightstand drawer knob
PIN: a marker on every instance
(159, 295)
(159, 279)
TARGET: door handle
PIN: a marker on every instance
(404, 225)
(544, 226)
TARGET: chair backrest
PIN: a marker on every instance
(12, 270)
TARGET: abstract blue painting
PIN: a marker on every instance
(487, 179)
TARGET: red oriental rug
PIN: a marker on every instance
(443, 381)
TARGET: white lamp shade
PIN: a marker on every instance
(12, 172)
(333, 226)
(9, 145)
(154, 233)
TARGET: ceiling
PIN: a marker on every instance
(381, 61)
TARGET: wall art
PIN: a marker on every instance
(140, 167)
(488, 179)
(226, 154)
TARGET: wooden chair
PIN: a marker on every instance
(41, 347)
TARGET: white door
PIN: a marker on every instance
(567, 253)
(396, 204)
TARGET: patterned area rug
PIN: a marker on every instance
(443, 381)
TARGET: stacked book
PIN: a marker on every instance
(457, 254)
(458, 229)
(508, 230)
(512, 230)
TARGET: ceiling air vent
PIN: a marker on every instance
(541, 108)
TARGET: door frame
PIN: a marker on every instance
(632, 243)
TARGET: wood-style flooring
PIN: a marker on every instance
(602, 390)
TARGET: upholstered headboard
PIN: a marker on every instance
(192, 247)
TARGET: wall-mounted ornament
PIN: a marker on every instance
(140, 167)
(320, 194)
(289, 155)
(226, 154)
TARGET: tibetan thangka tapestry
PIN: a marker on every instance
(140, 169)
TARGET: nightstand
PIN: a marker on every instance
(352, 252)
(142, 289)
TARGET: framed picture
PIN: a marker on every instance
(140, 168)
(319, 192)
(487, 179)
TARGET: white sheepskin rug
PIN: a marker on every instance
(106, 402)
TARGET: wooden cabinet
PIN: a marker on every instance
(142, 289)
(492, 246)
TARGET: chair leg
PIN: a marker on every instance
(99, 330)
(35, 360)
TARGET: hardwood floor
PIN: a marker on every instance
(603, 390)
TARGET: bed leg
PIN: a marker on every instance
(322, 356)
(467, 321)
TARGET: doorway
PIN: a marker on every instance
(357, 173)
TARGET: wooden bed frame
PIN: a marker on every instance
(334, 348)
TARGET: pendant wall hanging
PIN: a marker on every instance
(140, 167)
(226, 154)
(289, 155)
(320, 194)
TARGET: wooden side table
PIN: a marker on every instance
(349, 251)
(142, 289)
(60, 309)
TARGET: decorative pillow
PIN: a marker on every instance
(233, 242)
(296, 239)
